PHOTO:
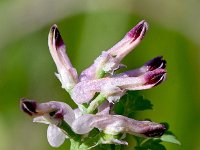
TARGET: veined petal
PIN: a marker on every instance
(55, 136)
(110, 60)
(115, 124)
(84, 91)
(67, 74)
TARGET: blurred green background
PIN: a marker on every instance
(88, 27)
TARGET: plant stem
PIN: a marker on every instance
(95, 103)
(68, 131)
(101, 74)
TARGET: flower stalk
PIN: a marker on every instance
(96, 103)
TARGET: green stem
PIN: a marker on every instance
(95, 103)
(75, 144)
(68, 131)
(101, 74)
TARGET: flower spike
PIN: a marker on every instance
(96, 92)
(66, 73)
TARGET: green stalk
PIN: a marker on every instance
(95, 103)
(101, 74)
(68, 131)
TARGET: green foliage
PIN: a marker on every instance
(131, 103)
(151, 144)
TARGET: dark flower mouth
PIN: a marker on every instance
(28, 106)
(155, 132)
(141, 28)
(155, 63)
(56, 34)
(156, 78)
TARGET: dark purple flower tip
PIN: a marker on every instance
(154, 132)
(28, 106)
(155, 77)
(56, 35)
(155, 63)
(139, 30)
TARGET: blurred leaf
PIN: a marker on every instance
(151, 144)
(170, 139)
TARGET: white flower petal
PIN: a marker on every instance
(55, 136)
(41, 119)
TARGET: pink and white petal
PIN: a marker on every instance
(55, 136)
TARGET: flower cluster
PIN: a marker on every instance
(95, 92)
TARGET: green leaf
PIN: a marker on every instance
(170, 139)
(130, 103)
(150, 144)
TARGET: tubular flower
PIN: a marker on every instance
(66, 73)
(109, 61)
(115, 124)
(51, 113)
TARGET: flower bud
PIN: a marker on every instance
(66, 73)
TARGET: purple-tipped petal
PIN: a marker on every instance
(52, 111)
(28, 106)
(153, 64)
(157, 62)
(109, 61)
(130, 41)
(66, 73)
(84, 91)
(115, 124)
